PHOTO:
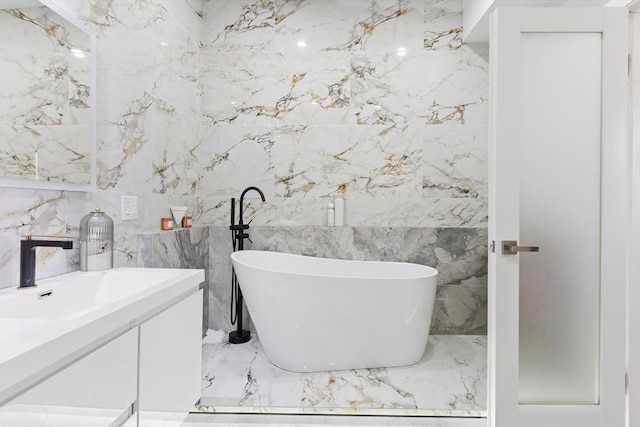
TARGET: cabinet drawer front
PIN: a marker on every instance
(96, 390)
(170, 360)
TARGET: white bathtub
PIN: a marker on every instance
(319, 314)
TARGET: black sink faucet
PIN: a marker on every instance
(28, 247)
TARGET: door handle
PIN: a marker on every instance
(510, 247)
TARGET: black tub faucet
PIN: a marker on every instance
(28, 247)
(240, 228)
(240, 232)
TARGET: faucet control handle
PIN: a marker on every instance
(239, 227)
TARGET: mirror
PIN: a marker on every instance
(47, 98)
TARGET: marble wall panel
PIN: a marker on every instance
(176, 162)
(432, 88)
(328, 242)
(334, 25)
(124, 150)
(459, 255)
(418, 212)
(278, 239)
(359, 211)
(213, 210)
(455, 161)
(26, 212)
(148, 67)
(275, 88)
(232, 158)
(443, 25)
(356, 243)
(460, 310)
(275, 211)
(322, 161)
(219, 301)
(457, 87)
(186, 248)
(237, 87)
(399, 72)
(247, 25)
(388, 88)
(300, 158)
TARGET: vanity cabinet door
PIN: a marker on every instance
(170, 359)
(98, 390)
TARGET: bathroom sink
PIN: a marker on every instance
(45, 328)
(78, 294)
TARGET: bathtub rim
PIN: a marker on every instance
(433, 272)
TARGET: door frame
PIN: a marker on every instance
(503, 323)
(633, 298)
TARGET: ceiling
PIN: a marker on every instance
(479, 33)
(18, 4)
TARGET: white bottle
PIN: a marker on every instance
(330, 215)
(339, 211)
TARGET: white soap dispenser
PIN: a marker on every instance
(339, 212)
(330, 215)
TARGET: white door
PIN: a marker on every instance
(558, 217)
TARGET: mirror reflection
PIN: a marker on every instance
(46, 117)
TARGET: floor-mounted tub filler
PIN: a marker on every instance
(318, 314)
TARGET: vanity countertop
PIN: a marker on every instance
(49, 327)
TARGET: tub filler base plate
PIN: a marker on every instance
(241, 337)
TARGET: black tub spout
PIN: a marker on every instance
(242, 199)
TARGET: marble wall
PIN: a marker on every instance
(45, 120)
(186, 248)
(147, 113)
(376, 101)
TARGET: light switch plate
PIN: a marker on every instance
(129, 208)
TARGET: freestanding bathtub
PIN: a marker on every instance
(319, 314)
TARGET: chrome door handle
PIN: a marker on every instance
(510, 247)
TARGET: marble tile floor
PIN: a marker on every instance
(449, 381)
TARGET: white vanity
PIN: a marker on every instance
(108, 348)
